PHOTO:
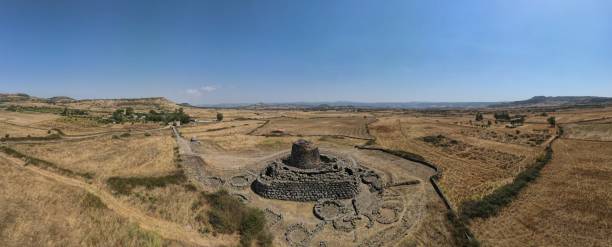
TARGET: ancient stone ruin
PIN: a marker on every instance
(304, 155)
(307, 175)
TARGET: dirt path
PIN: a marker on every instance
(167, 230)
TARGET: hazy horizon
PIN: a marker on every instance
(211, 52)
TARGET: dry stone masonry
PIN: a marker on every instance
(307, 175)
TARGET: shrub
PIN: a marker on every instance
(125, 135)
(124, 185)
(228, 215)
(219, 116)
(552, 121)
(92, 201)
(501, 116)
(460, 232)
(147, 134)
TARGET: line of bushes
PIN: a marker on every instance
(45, 164)
(228, 215)
(491, 204)
(32, 138)
(125, 185)
(462, 235)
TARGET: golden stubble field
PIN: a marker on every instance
(569, 205)
(107, 156)
(471, 168)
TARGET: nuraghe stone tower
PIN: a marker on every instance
(307, 175)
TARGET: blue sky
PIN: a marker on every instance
(316, 50)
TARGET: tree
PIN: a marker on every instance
(552, 121)
(479, 116)
(65, 112)
(129, 111)
(219, 116)
(501, 116)
(118, 116)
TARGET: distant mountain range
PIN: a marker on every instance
(537, 101)
(544, 101)
(347, 104)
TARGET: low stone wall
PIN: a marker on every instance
(306, 191)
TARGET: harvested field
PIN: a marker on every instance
(25, 118)
(86, 126)
(13, 130)
(464, 175)
(601, 131)
(220, 129)
(471, 152)
(136, 155)
(513, 137)
(568, 205)
(345, 126)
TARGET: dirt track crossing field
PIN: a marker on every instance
(167, 230)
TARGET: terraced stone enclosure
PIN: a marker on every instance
(307, 175)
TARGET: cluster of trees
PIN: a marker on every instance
(177, 115)
(503, 116)
(128, 114)
(73, 112)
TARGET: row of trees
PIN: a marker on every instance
(128, 114)
(73, 112)
(504, 116)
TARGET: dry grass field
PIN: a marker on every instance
(598, 131)
(569, 205)
(84, 126)
(25, 118)
(354, 127)
(106, 156)
(471, 168)
(38, 211)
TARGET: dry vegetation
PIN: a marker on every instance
(51, 214)
(599, 131)
(354, 127)
(138, 166)
(569, 205)
(471, 167)
(134, 155)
